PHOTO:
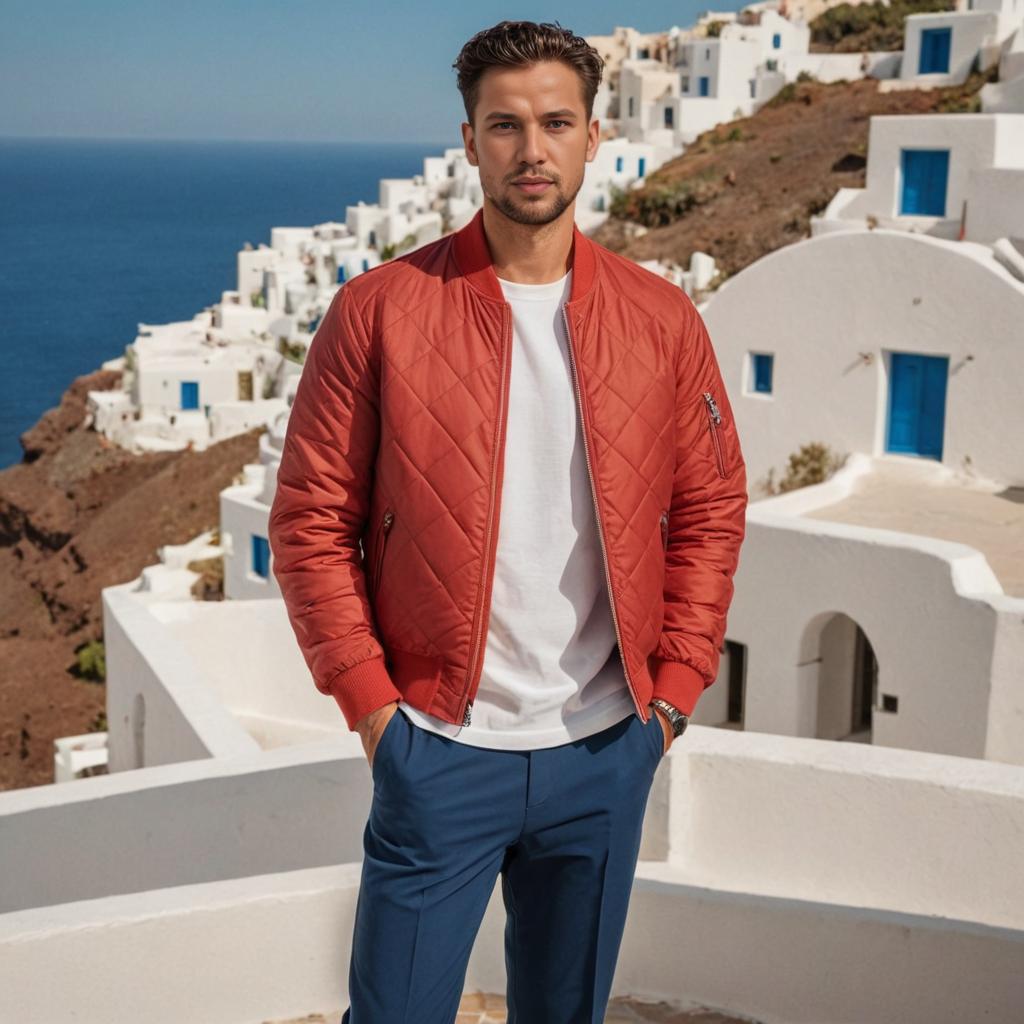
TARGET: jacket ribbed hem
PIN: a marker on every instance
(363, 688)
(680, 684)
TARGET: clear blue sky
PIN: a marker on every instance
(253, 69)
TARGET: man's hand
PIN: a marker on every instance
(666, 729)
(371, 726)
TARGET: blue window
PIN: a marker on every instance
(373, 238)
(703, 80)
(641, 164)
(260, 555)
(366, 263)
(763, 372)
(314, 323)
(925, 174)
(618, 163)
(934, 57)
(776, 40)
(341, 273)
(190, 394)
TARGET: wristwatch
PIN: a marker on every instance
(675, 716)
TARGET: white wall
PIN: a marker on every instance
(791, 880)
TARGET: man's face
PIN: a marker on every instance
(531, 123)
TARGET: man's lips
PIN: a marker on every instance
(533, 186)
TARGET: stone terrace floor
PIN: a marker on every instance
(916, 498)
(489, 1008)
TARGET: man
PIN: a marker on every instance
(529, 437)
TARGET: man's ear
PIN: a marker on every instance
(469, 142)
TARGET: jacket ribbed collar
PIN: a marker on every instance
(473, 258)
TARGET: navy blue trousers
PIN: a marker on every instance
(562, 826)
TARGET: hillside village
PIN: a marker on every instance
(850, 224)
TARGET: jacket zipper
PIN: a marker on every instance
(499, 445)
(714, 418)
(664, 530)
(382, 539)
(597, 513)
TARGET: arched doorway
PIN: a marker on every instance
(847, 681)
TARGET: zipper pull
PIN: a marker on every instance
(715, 415)
(469, 712)
(388, 517)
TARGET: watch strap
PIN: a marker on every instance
(675, 716)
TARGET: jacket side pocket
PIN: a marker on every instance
(383, 530)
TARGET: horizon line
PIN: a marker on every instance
(272, 141)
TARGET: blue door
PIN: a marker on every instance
(703, 83)
(190, 394)
(917, 404)
(934, 58)
(925, 175)
(641, 163)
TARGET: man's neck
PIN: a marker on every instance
(529, 253)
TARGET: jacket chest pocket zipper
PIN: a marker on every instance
(382, 538)
(664, 530)
(714, 420)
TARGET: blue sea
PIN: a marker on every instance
(97, 236)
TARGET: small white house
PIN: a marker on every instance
(947, 175)
(942, 48)
(244, 515)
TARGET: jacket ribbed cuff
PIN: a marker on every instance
(362, 688)
(680, 684)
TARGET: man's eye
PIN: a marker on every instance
(499, 124)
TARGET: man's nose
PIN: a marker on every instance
(531, 149)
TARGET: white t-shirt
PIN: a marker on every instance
(551, 668)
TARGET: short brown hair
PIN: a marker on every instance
(513, 44)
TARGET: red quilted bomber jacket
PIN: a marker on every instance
(385, 520)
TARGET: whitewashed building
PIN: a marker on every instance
(244, 515)
(1007, 94)
(941, 48)
(187, 383)
(897, 586)
(958, 176)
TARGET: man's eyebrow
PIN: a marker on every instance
(500, 116)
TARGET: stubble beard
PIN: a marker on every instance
(543, 210)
